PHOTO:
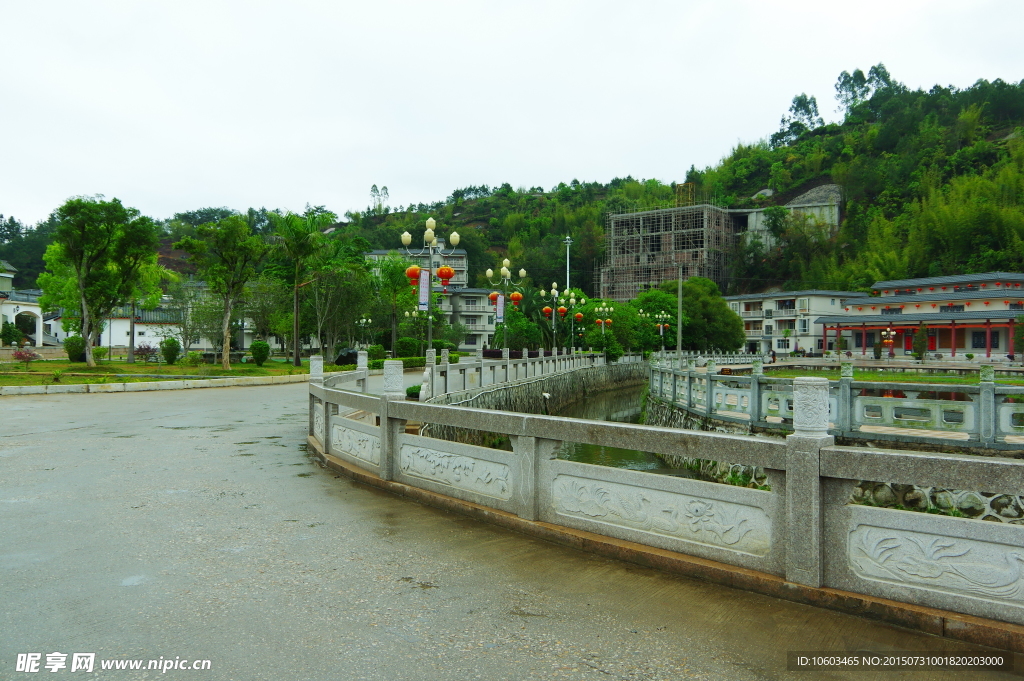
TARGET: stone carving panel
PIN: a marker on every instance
(356, 444)
(810, 406)
(711, 522)
(487, 478)
(318, 422)
(964, 567)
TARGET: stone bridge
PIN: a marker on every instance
(796, 536)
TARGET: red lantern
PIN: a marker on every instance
(445, 274)
(919, 290)
(943, 288)
(931, 288)
(968, 303)
(860, 308)
(1006, 302)
(872, 307)
(918, 305)
(902, 306)
(986, 302)
(493, 297)
(984, 285)
(933, 304)
(515, 297)
(414, 275)
(608, 322)
(579, 316)
(562, 311)
(599, 322)
(546, 311)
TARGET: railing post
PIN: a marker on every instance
(710, 369)
(803, 481)
(987, 406)
(363, 364)
(691, 370)
(316, 368)
(844, 419)
(391, 428)
(756, 372)
(529, 452)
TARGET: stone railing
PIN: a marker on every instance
(976, 415)
(469, 373)
(804, 530)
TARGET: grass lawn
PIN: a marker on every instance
(891, 376)
(42, 372)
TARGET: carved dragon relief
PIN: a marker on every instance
(964, 567)
(703, 521)
(487, 478)
(356, 444)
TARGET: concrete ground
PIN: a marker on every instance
(192, 524)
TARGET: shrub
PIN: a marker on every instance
(375, 352)
(75, 347)
(57, 375)
(969, 356)
(9, 334)
(407, 347)
(614, 350)
(413, 391)
(193, 359)
(260, 352)
(99, 352)
(26, 356)
(877, 350)
(170, 348)
(145, 351)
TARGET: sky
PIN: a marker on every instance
(174, 106)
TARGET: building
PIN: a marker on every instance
(472, 308)
(788, 321)
(969, 313)
(21, 308)
(645, 248)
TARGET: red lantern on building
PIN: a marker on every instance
(547, 311)
(562, 311)
(445, 274)
(986, 302)
(515, 297)
(414, 275)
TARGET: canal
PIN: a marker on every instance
(624, 406)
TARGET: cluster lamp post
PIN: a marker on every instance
(662, 318)
(505, 281)
(431, 248)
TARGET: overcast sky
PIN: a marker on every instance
(172, 106)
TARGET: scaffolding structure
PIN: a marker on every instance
(645, 248)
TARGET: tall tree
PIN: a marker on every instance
(226, 254)
(300, 238)
(103, 247)
(390, 282)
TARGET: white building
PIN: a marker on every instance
(789, 321)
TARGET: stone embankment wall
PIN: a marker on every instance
(527, 396)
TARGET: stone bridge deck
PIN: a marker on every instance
(193, 524)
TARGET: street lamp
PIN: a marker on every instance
(662, 318)
(364, 323)
(551, 296)
(430, 249)
(601, 311)
(568, 242)
(566, 306)
(888, 340)
(505, 281)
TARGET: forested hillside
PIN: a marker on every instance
(933, 184)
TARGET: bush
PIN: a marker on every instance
(413, 391)
(75, 347)
(170, 348)
(878, 350)
(614, 350)
(969, 356)
(407, 347)
(193, 359)
(99, 352)
(145, 351)
(260, 352)
(375, 352)
(25, 355)
(9, 334)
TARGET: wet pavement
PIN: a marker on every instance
(192, 524)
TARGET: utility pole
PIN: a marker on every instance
(567, 242)
(679, 319)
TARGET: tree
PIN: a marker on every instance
(390, 282)
(710, 324)
(186, 298)
(803, 117)
(99, 251)
(226, 254)
(921, 341)
(852, 89)
(299, 238)
(265, 296)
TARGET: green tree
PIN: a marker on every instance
(921, 341)
(710, 324)
(99, 251)
(390, 283)
(300, 238)
(226, 253)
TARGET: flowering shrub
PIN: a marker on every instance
(26, 356)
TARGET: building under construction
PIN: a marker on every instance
(645, 248)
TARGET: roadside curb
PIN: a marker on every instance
(79, 388)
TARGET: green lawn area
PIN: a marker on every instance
(892, 376)
(42, 372)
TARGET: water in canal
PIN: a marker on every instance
(623, 406)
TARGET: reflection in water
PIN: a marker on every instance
(613, 405)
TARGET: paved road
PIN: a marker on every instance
(193, 524)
